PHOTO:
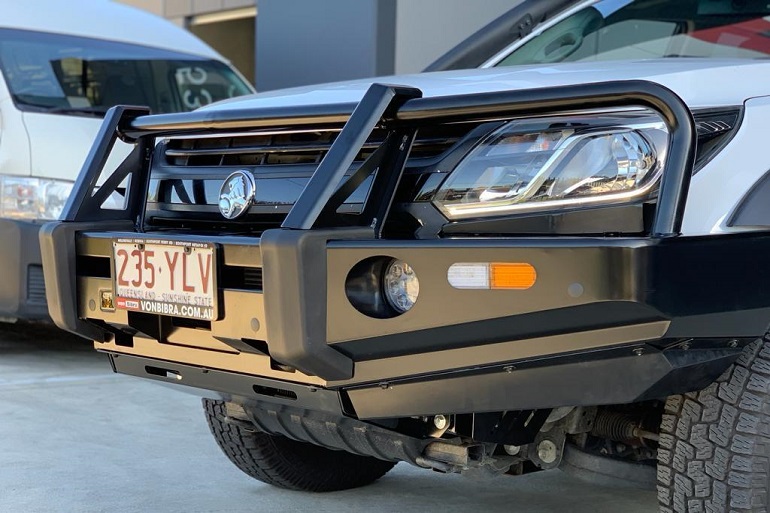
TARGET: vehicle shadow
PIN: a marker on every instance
(407, 488)
(36, 337)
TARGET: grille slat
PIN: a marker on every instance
(245, 150)
(294, 147)
(252, 278)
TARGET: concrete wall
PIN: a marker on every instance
(301, 42)
(231, 38)
(309, 41)
(426, 29)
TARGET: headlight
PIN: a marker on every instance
(558, 161)
(32, 198)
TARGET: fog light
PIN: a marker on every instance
(401, 285)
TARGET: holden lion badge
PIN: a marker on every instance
(237, 194)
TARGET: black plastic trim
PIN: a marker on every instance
(627, 219)
(20, 295)
(336, 432)
(700, 115)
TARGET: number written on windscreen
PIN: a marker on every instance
(174, 278)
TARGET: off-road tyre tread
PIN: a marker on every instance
(286, 463)
(714, 449)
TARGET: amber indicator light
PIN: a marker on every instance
(519, 276)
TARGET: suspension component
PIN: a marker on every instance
(621, 428)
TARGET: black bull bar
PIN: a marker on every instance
(294, 313)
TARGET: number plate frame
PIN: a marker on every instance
(201, 304)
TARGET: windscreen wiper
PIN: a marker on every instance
(91, 111)
(50, 109)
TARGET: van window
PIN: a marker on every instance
(67, 74)
(644, 29)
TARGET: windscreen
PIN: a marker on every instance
(74, 75)
(645, 29)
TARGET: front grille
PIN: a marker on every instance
(35, 285)
(242, 278)
(188, 172)
(252, 278)
(252, 225)
(286, 148)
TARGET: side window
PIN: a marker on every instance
(49, 72)
(29, 74)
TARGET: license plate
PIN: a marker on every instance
(165, 277)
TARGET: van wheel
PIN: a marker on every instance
(286, 463)
(714, 453)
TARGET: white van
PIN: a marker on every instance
(62, 65)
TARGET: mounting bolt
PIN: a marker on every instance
(384, 385)
(639, 351)
(547, 452)
(440, 421)
(686, 346)
(733, 343)
(509, 369)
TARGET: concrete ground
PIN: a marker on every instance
(76, 438)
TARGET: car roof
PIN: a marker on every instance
(102, 19)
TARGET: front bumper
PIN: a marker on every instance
(22, 293)
(652, 318)
(609, 320)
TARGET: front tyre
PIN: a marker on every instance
(715, 444)
(286, 463)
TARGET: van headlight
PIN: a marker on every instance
(557, 162)
(32, 198)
